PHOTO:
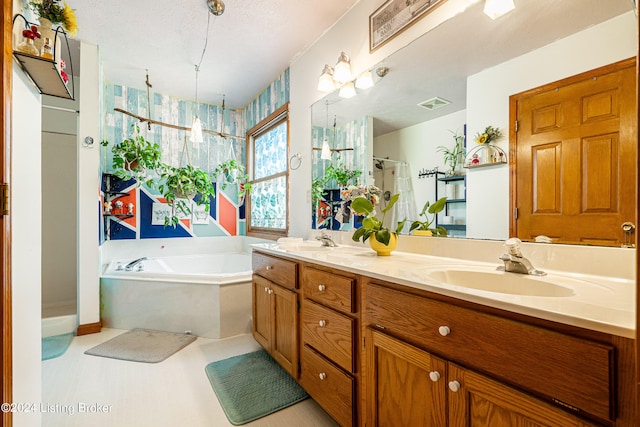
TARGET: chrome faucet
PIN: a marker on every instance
(132, 264)
(514, 262)
(326, 240)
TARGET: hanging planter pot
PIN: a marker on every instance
(185, 183)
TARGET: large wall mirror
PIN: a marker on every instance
(453, 81)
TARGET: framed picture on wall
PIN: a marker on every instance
(394, 16)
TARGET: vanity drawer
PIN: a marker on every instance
(573, 372)
(332, 290)
(329, 332)
(278, 270)
(331, 388)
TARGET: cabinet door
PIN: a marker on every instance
(262, 315)
(405, 386)
(284, 344)
(480, 401)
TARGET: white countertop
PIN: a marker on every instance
(598, 303)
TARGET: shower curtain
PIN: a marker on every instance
(405, 208)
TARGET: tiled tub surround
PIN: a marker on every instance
(602, 279)
(211, 302)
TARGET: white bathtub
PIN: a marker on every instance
(209, 295)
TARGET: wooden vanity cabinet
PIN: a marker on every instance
(329, 324)
(275, 309)
(507, 372)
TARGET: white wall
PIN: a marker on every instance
(89, 211)
(26, 214)
(488, 104)
(351, 35)
(417, 145)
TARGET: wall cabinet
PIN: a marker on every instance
(275, 309)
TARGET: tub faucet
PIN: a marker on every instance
(132, 264)
(326, 240)
(514, 262)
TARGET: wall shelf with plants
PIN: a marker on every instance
(44, 67)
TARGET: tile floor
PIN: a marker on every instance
(174, 392)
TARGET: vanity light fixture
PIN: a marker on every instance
(364, 80)
(342, 70)
(496, 8)
(347, 90)
(325, 82)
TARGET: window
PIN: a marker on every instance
(267, 163)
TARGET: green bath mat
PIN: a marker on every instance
(251, 386)
(55, 346)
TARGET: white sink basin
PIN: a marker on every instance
(505, 283)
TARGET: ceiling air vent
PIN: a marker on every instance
(434, 103)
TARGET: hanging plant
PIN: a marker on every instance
(184, 183)
(134, 156)
(340, 173)
(233, 172)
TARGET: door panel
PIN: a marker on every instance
(575, 151)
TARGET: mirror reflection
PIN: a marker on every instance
(445, 90)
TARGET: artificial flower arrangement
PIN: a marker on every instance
(56, 13)
(489, 135)
(31, 33)
(63, 73)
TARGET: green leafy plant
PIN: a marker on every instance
(371, 224)
(432, 209)
(185, 183)
(233, 172)
(340, 173)
(134, 156)
(317, 191)
(452, 156)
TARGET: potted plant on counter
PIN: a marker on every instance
(181, 185)
(422, 228)
(381, 239)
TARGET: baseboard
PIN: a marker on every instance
(89, 328)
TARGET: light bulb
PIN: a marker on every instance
(342, 70)
(326, 150)
(347, 90)
(325, 82)
(196, 130)
(364, 80)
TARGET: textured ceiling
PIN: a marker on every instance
(249, 46)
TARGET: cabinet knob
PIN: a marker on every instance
(270, 291)
(321, 288)
(454, 386)
(268, 267)
(444, 330)
(266, 289)
(322, 376)
(322, 323)
(434, 375)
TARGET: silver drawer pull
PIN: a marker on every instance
(268, 267)
(322, 323)
(321, 288)
(434, 375)
(444, 330)
(322, 376)
(454, 386)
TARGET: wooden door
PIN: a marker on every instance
(405, 385)
(482, 402)
(262, 312)
(284, 344)
(575, 157)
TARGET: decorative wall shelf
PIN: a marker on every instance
(485, 155)
(43, 72)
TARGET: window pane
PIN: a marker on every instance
(270, 152)
(269, 203)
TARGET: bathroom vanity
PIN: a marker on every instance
(387, 342)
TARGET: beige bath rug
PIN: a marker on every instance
(142, 345)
